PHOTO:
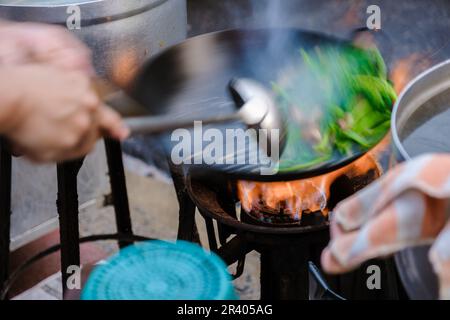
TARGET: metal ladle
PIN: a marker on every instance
(257, 109)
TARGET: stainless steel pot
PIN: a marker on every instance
(425, 99)
(122, 34)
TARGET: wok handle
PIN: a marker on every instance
(137, 116)
(117, 99)
(163, 124)
(125, 105)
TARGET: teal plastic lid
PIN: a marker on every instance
(157, 270)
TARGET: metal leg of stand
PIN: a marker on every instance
(187, 228)
(5, 210)
(119, 189)
(67, 204)
(284, 274)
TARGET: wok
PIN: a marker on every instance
(190, 80)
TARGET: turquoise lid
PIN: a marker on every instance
(157, 270)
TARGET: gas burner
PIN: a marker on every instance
(222, 201)
(287, 246)
(282, 220)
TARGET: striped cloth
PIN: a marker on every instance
(407, 207)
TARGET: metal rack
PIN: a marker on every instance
(68, 208)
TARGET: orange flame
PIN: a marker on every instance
(296, 198)
(406, 69)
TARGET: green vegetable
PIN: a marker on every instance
(348, 88)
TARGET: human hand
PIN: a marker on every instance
(53, 115)
(22, 43)
(407, 207)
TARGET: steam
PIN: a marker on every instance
(274, 14)
(256, 13)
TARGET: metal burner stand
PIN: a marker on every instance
(67, 204)
(288, 255)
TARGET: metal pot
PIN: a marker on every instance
(425, 99)
(122, 35)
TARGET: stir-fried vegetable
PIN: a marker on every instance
(339, 101)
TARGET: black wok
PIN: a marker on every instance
(190, 80)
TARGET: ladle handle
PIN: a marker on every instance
(117, 99)
(137, 118)
(162, 124)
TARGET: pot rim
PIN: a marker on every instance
(94, 11)
(399, 104)
(36, 4)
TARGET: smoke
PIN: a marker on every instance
(273, 13)
(256, 13)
